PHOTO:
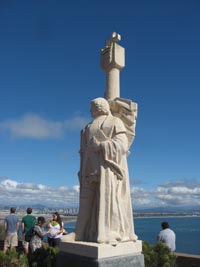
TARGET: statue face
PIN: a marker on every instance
(94, 110)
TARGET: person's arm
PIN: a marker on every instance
(22, 225)
(61, 229)
(5, 226)
(39, 231)
(17, 226)
(48, 224)
(160, 237)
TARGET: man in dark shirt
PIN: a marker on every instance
(11, 226)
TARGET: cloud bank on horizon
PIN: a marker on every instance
(15, 193)
(179, 193)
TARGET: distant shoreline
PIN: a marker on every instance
(73, 218)
(165, 216)
(47, 217)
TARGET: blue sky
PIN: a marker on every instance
(49, 72)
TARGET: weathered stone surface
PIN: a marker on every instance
(69, 260)
(99, 251)
(112, 62)
(105, 211)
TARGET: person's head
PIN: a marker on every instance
(40, 220)
(57, 218)
(29, 210)
(12, 210)
(99, 106)
(164, 225)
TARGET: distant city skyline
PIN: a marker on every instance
(50, 71)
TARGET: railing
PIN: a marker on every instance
(187, 260)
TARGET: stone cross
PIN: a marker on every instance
(112, 62)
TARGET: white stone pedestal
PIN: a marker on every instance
(99, 251)
(79, 254)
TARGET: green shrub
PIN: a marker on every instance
(2, 232)
(12, 259)
(44, 257)
(165, 257)
(158, 255)
(150, 256)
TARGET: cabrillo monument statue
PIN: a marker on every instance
(104, 232)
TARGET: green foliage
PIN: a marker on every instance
(12, 259)
(2, 232)
(44, 257)
(165, 257)
(150, 257)
(158, 255)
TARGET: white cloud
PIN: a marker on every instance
(12, 192)
(179, 193)
(36, 127)
(185, 190)
(170, 194)
(9, 183)
(76, 188)
(174, 194)
(75, 123)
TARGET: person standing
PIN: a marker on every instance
(28, 222)
(56, 230)
(167, 236)
(38, 233)
(11, 226)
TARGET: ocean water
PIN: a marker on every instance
(187, 231)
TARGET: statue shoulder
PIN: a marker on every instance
(86, 127)
(126, 111)
(116, 122)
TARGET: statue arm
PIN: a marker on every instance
(114, 152)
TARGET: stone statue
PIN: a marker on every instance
(104, 232)
(105, 212)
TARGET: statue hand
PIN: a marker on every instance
(95, 144)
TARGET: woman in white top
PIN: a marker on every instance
(56, 230)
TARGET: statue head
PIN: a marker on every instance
(99, 106)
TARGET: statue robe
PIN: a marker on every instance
(105, 212)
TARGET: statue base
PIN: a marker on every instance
(71, 260)
(87, 254)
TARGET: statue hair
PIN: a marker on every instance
(102, 105)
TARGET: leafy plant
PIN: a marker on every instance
(158, 255)
(150, 256)
(12, 259)
(164, 255)
(2, 232)
(44, 257)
